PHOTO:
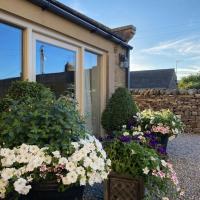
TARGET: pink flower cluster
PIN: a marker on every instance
(171, 174)
(161, 129)
(158, 173)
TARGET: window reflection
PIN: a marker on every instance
(55, 68)
(92, 91)
(10, 56)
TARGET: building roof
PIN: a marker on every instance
(81, 19)
(161, 78)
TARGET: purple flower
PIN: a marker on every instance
(153, 143)
(125, 138)
(161, 150)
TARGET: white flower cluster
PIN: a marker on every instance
(88, 164)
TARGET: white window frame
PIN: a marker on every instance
(57, 43)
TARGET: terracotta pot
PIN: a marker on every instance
(123, 187)
(49, 191)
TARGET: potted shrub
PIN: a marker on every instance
(46, 152)
(164, 123)
(137, 161)
(119, 109)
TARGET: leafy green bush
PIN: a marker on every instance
(190, 82)
(131, 158)
(22, 90)
(33, 117)
(56, 124)
(119, 110)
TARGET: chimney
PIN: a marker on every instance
(126, 32)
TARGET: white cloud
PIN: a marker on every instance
(76, 5)
(189, 46)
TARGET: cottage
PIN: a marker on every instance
(48, 42)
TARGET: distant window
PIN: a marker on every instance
(55, 68)
(10, 56)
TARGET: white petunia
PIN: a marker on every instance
(125, 133)
(56, 154)
(3, 185)
(87, 162)
(70, 166)
(65, 180)
(80, 171)
(62, 161)
(146, 170)
(72, 176)
(7, 173)
(21, 187)
(83, 181)
(164, 163)
(132, 152)
(75, 145)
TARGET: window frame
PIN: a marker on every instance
(22, 45)
(59, 44)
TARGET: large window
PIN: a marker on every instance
(92, 91)
(55, 68)
(10, 56)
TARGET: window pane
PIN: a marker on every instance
(10, 56)
(55, 68)
(92, 91)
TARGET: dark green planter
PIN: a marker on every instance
(49, 191)
(163, 139)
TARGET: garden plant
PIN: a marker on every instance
(120, 108)
(43, 139)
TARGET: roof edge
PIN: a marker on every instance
(80, 19)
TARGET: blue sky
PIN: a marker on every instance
(167, 30)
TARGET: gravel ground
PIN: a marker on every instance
(184, 152)
(93, 193)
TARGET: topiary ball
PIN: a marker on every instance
(120, 108)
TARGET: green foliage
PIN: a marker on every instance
(131, 158)
(119, 110)
(190, 82)
(38, 118)
(22, 90)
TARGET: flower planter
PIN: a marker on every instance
(163, 139)
(49, 191)
(123, 187)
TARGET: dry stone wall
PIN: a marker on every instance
(185, 103)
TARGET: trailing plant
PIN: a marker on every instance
(130, 158)
(120, 108)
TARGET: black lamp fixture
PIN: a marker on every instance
(123, 61)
